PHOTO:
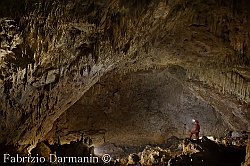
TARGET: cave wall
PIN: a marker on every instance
(247, 153)
(52, 52)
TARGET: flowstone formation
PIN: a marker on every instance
(53, 52)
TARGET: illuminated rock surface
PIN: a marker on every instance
(127, 72)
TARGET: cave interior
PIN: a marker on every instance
(126, 78)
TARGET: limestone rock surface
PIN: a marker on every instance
(53, 52)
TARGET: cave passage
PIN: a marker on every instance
(121, 81)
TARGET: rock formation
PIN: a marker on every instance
(183, 58)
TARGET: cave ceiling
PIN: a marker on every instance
(53, 52)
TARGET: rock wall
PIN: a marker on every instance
(52, 52)
(247, 163)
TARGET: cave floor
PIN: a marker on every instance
(179, 152)
(174, 152)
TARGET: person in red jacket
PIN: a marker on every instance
(196, 130)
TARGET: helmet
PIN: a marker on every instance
(195, 121)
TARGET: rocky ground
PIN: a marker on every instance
(53, 52)
(206, 151)
(177, 152)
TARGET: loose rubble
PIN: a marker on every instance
(190, 152)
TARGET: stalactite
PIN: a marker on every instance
(243, 94)
(237, 84)
(248, 93)
(241, 85)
